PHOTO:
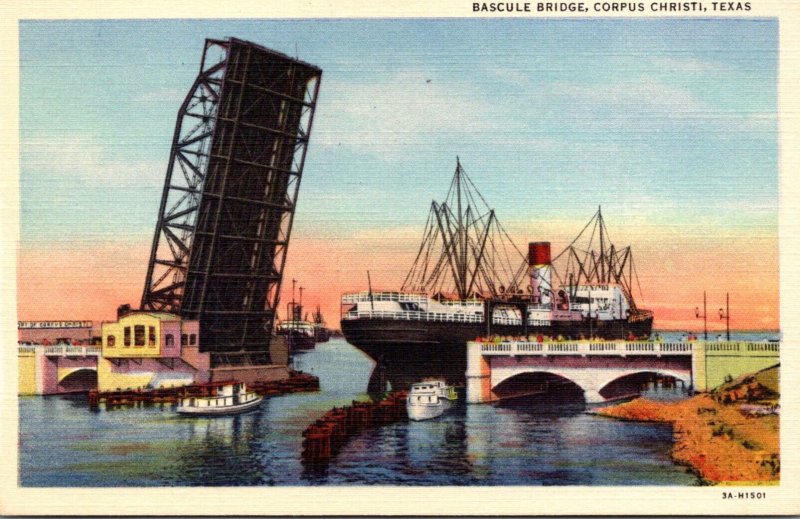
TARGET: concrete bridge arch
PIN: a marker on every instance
(63, 373)
(77, 379)
(592, 382)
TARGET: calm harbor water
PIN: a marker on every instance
(63, 443)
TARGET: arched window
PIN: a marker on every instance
(184, 339)
(111, 341)
(193, 339)
(169, 340)
(151, 336)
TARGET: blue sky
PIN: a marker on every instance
(661, 120)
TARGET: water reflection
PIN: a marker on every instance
(221, 451)
(62, 443)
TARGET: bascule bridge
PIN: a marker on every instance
(229, 197)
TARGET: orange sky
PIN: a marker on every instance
(86, 281)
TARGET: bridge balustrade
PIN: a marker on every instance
(603, 346)
(619, 348)
(561, 347)
(530, 346)
(760, 346)
(722, 346)
(61, 350)
(498, 347)
(640, 346)
(675, 347)
(622, 347)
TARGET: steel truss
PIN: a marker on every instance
(228, 202)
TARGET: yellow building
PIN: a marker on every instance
(148, 335)
(151, 349)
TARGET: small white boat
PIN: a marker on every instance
(429, 399)
(231, 398)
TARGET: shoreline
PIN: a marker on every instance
(720, 443)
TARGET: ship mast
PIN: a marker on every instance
(465, 252)
(462, 235)
(608, 265)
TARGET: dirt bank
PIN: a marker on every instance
(732, 442)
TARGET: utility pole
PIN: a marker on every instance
(726, 315)
(704, 316)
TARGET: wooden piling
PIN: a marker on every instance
(326, 436)
(297, 382)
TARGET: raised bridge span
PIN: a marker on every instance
(603, 371)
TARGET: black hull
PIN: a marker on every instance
(407, 351)
(299, 341)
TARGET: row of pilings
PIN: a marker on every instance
(297, 382)
(326, 436)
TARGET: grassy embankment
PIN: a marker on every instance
(729, 436)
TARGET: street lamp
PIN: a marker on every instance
(726, 315)
(704, 316)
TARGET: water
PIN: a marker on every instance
(63, 443)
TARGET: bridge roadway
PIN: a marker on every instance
(607, 369)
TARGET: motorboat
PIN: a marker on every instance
(430, 399)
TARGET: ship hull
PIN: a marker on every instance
(299, 341)
(407, 351)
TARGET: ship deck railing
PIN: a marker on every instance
(438, 317)
(367, 297)
(414, 316)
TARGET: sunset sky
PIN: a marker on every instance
(670, 125)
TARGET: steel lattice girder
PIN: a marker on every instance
(223, 230)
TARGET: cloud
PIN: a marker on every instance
(406, 109)
(687, 64)
(83, 159)
(170, 96)
(640, 106)
(630, 97)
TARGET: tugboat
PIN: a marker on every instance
(470, 280)
(430, 399)
(229, 399)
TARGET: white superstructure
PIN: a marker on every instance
(229, 399)
(600, 302)
(429, 399)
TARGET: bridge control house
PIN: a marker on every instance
(150, 349)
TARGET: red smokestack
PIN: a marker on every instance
(539, 253)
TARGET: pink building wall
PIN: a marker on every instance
(171, 328)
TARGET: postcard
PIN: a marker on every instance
(471, 258)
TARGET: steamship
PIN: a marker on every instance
(300, 334)
(469, 280)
